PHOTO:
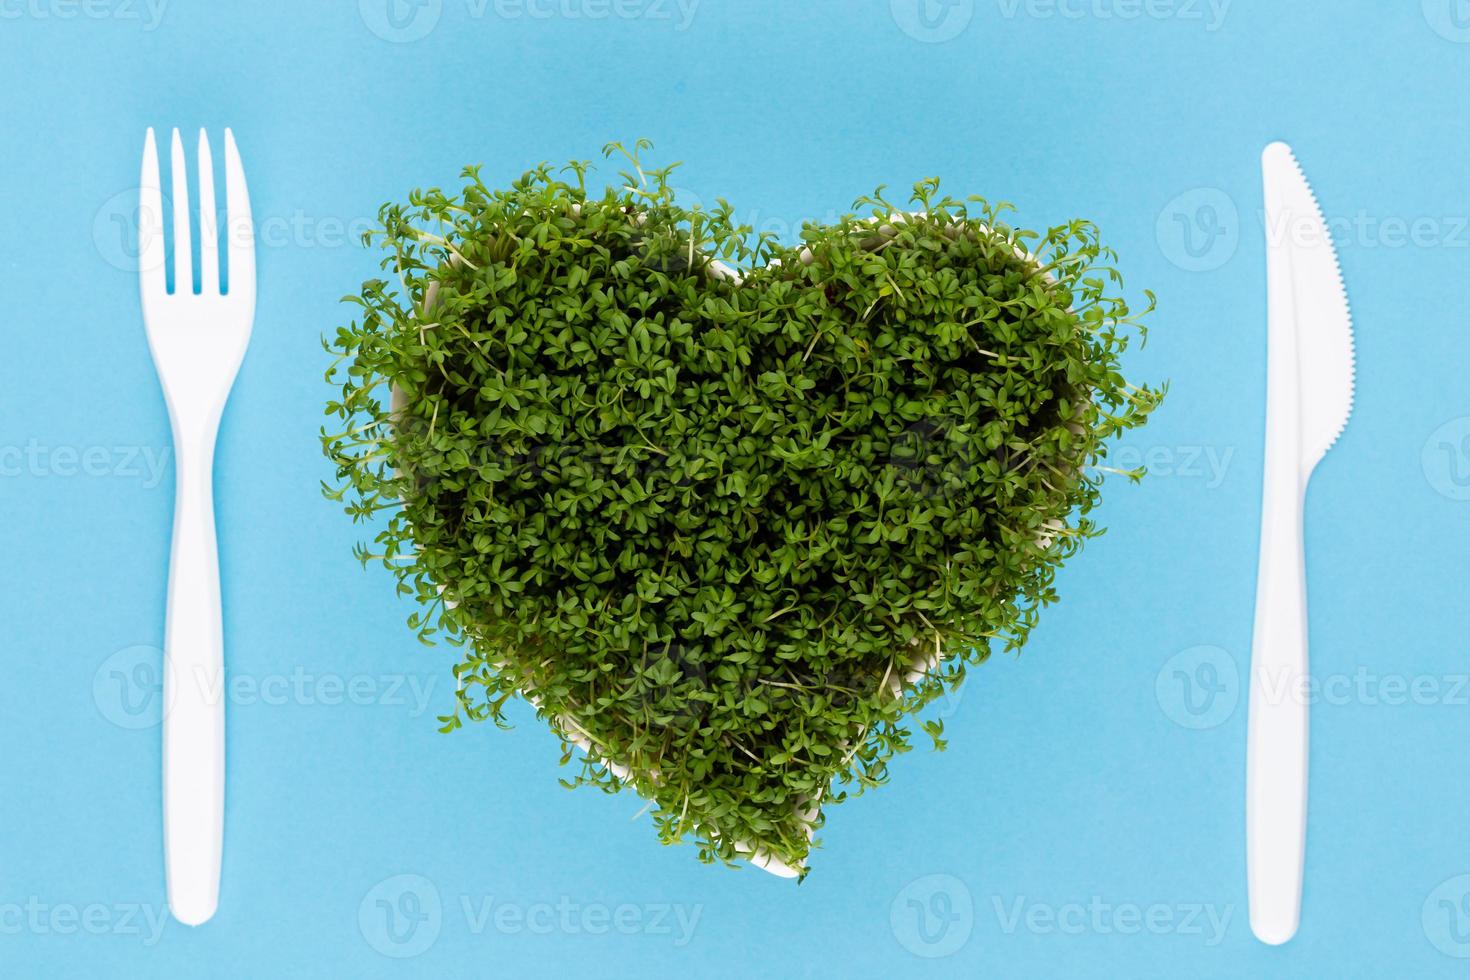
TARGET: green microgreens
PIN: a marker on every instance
(728, 536)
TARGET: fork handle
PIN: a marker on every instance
(194, 719)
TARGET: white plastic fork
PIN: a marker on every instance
(198, 341)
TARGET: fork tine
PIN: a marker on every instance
(241, 227)
(183, 243)
(151, 258)
(208, 221)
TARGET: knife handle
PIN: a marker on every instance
(1276, 741)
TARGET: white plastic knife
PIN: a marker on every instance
(1309, 397)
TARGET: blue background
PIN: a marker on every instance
(1095, 782)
